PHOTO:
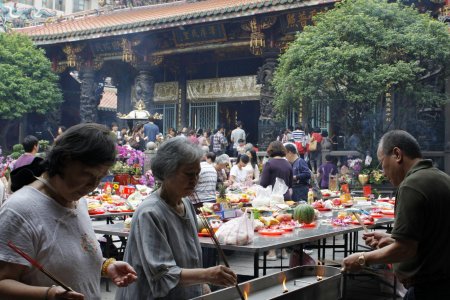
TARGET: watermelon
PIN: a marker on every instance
(304, 213)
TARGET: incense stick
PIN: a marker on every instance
(217, 244)
(39, 266)
(360, 222)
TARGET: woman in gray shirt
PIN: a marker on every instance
(163, 245)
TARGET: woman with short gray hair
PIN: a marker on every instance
(163, 245)
(221, 164)
(172, 154)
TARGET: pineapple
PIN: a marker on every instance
(222, 198)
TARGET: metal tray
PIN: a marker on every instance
(301, 283)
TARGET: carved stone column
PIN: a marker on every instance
(89, 98)
(143, 85)
(268, 128)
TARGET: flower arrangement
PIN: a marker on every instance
(147, 179)
(355, 166)
(129, 161)
(377, 177)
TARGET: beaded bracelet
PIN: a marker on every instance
(106, 264)
(48, 291)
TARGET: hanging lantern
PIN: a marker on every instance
(127, 52)
(71, 52)
(257, 42)
(71, 56)
(257, 38)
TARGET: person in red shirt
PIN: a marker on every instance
(315, 155)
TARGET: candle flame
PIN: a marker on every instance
(285, 290)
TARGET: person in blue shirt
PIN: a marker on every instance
(151, 130)
(301, 173)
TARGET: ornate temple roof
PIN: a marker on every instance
(105, 23)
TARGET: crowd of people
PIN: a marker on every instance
(50, 190)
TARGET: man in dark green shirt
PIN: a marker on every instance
(419, 245)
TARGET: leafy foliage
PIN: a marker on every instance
(360, 50)
(27, 83)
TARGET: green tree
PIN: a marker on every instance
(27, 83)
(360, 50)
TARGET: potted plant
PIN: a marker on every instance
(121, 172)
(129, 165)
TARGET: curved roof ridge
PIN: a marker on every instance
(151, 17)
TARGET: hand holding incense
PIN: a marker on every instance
(217, 244)
(360, 221)
(37, 265)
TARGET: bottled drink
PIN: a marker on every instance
(310, 196)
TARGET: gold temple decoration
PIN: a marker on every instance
(388, 108)
(140, 113)
(257, 37)
(156, 60)
(71, 54)
(127, 51)
(300, 112)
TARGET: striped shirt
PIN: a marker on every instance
(219, 142)
(207, 180)
(298, 135)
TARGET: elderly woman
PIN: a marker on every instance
(49, 220)
(222, 162)
(163, 245)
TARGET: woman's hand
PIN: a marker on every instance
(57, 293)
(121, 273)
(221, 275)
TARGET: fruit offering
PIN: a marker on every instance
(304, 213)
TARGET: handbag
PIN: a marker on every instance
(312, 145)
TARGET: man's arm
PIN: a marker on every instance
(398, 251)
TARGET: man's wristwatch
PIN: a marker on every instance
(362, 260)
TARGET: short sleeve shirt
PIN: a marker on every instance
(60, 238)
(421, 214)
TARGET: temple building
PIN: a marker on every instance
(200, 63)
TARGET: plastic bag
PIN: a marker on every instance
(262, 196)
(279, 189)
(315, 187)
(238, 231)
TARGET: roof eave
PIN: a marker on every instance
(42, 40)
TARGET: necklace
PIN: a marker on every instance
(55, 193)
